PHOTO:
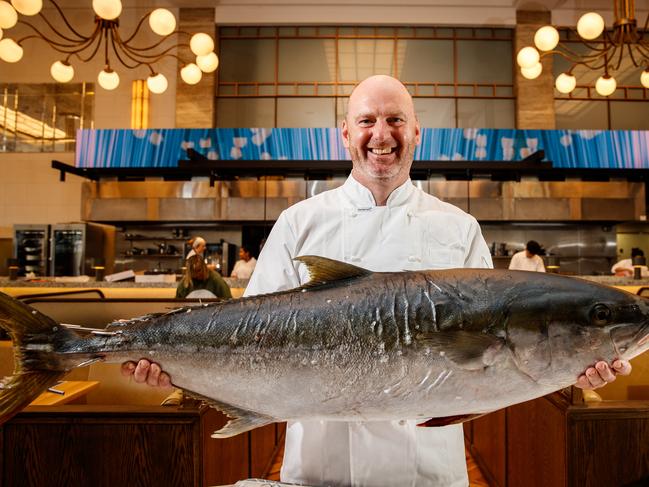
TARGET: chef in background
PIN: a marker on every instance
(528, 259)
(624, 267)
(198, 247)
(245, 265)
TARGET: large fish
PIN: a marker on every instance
(356, 345)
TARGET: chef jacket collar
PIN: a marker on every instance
(361, 197)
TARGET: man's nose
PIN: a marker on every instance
(381, 131)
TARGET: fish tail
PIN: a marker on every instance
(36, 368)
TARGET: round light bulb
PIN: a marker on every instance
(162, 21)
(108, 79)
(157, 83)
(61, 71)
(533, 72)
(605, 85)
(201, 44)
(10, 51)
(546, 38)
(590, 25)
(207, 63)
(644, 78)
(107, 9)
(27, 7)
(527, 57)
(191, 74)
(565, 83)
(8, 16)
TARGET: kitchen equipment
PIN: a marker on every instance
(31, 248)
(74, 246)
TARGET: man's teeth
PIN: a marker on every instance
(387, 150)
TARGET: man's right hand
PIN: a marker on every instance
(146, 372)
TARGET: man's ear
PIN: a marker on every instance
(417, 131)
(344, 131)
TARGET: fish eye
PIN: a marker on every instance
(600, 314)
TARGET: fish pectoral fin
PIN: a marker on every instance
(324, 271)
(241, 420)
(245, 422)
(447, 420)
(468, 350)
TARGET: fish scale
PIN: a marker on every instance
(356, 345)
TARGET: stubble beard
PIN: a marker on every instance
(362, 164)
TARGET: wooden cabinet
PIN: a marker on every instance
(551, 442)
(129, 446)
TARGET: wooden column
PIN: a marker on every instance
(534, 98)
(195, 103)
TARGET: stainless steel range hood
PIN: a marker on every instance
(250, 200)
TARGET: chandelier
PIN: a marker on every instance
(606, 49)
(107, 40)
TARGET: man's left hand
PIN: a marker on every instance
(601, 374)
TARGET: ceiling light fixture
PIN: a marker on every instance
(607, 49)
(106, 32)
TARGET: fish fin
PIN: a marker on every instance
(35, 368)
(241, 420)
(22, 388)
(468, 350)
(323, 270)
(447, 420)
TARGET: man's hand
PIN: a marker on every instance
(146, 372)
(601, 374)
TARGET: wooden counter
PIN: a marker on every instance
(81, 446)
(551, 442)
(72, 390)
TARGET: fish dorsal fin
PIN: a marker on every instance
(241, 420)
(323, 270)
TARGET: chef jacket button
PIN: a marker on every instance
(402, 422)
(413, 258)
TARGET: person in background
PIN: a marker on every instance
(199, 277)
(624, 267)
(528, 259)
(244, 267)
(198, 247)
(378, 219)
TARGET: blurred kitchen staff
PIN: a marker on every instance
(624, 267)
(244, 267)
(528, 259)
(378, 220)
(198, 247)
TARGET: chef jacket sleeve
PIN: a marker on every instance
(477, 255)
(275, 270)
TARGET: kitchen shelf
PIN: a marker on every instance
(163, 239)
(156, 256)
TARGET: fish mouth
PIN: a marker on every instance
(630, 340)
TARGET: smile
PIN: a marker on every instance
(387, 150)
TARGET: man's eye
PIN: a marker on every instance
(365, 122)
(396, 120)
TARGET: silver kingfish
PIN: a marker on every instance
(355, 345)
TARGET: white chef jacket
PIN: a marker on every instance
(413, 231)
(243, 269)
(521, 262)
(627, 265)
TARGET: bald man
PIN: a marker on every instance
(380, 221)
